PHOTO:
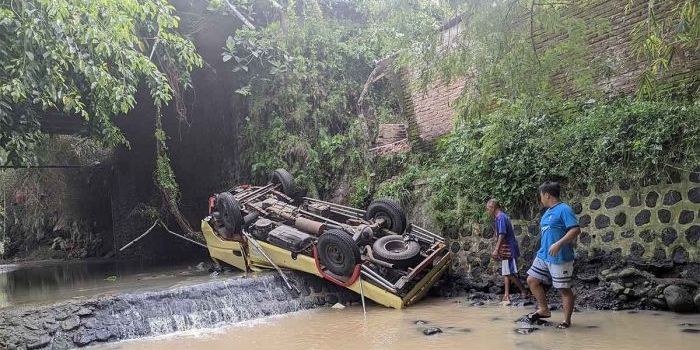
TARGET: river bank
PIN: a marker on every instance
(604, 282)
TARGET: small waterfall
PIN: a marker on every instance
(128, 316)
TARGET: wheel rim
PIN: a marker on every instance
(395, 246)
(386, 218)
(334, 254)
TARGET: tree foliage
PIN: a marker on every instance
(304, 66)
(84, 59)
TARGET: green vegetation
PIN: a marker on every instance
(84, 59)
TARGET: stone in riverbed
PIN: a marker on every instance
(40, 343)
(691, 330)
(84, 338)
(697, 300)
(84, 312)
(70, 323)
(525, 330)
(678, 299)
(432, 331)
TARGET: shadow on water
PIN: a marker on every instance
(49, 281)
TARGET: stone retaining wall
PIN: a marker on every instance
(657, 223)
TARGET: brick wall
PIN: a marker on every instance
(430, 113)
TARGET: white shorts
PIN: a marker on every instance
(509, 267)
(559, 276)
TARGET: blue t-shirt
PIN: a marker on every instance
(554, 224)
(505, 227)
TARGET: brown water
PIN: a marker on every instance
(463, 326)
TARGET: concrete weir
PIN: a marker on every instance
(86, 322)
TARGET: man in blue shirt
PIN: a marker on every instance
(506, 249)
(554, 262)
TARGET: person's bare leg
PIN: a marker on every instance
(506, 289)
(567, 298)
(516, 280)
(538, 291)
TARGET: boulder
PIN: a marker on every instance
(678, 299)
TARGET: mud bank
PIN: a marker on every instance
(603, 282)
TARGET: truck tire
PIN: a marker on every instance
(390, 211)
(394, 250)
(284, 178)
(230, 212)
(338, 252)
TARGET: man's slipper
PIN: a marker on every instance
(534, 316)
(563, 325)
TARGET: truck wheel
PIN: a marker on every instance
(283, 177)
(338, 252)
(394, 250)
(389, 210)
(230, 211)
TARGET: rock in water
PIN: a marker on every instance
(432, 331)
(678, 299)
(525, 330)
(40, 343)
(691, 330)
(697, 300)
(338, 306)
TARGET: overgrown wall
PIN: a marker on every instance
(429, 112)
(653, 223)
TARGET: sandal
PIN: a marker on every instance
(563, 325)
(534, 316)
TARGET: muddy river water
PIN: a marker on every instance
(463, 327)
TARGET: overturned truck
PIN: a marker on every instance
(375, 252)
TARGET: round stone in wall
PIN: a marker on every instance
(672, 197)
(483, 246)
(694, 195)
(525, 242)
(602, 221)
(636, 250)
(679, 255)
(692, 234)
(487, 232)
(532, 230)
(584, 221)
(652, 198)
(612, 202)
(584, 238)
(454, 247)
(624, 185)
(621, 219)
(454, 235)
(627, 234)
(485, 258)
(659, 254)
(686, 217)
(642, 218)
(466, 246)
(608, 236)
(602, 188)
(595, 204)
(584, 191)
(668, 236)
(466, 231)
(578, 208)
(635, 200)
(664, 216)
(695, 175)
(647, 235)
